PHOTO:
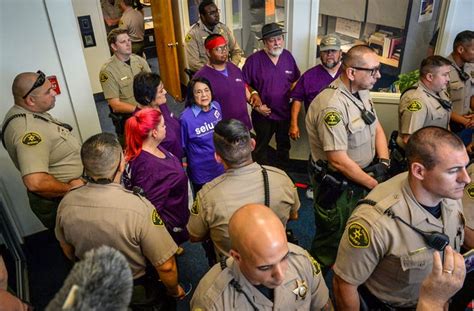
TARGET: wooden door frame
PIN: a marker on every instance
(166, 46)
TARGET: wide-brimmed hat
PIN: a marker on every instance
(271, 30)
(330, 42)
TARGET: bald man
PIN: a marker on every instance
(264, 272)
(42, 148)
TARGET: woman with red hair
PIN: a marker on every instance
(156, 171)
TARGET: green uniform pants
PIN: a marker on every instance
(330, 224)
(44, 209)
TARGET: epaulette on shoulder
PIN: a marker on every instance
(383, 205)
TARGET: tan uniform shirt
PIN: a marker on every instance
(133, 21)
(303, 288)
(461, 91)
(42, 145)
(387, 256)
(195, 50)
(420, 108)
(95, 215)
(116, 77)
(220, 198)
(468, 199)
(334, 122)
(109, 10)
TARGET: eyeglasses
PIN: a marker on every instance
(373, 71)
(221, 49)
(39, 82)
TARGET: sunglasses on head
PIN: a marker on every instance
(39, 82)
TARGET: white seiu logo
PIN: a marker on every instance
(288, 72)
(204, 128)
(238, 80)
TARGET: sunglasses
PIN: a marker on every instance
(39, 82)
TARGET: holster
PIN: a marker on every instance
(119, 119)
(398, 160)
(331, 185)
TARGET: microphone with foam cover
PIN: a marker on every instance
(101, 281)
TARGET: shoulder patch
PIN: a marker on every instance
(358, 236)
(414, 106)
(332, 118)
(156, 219)
(196, 207)
(315, 263)
(470, 190)
(187, 38)
(103, 77)
(31, 139)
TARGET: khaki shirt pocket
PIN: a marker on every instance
(456, 91)
(415, 267)
(359, 133)
(126, 87)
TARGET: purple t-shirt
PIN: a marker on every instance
(273, 82)
(311, 83)
(229, 91)
(165, 185)
(197, 129)
(172, 141)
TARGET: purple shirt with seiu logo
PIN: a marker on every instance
(197, 129)
(272, 82)
(229, 91)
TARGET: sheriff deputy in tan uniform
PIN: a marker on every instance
(468, 206)
(102, 212)
(242, 183)
(381, 253)
(461, 85)
(208, 24)
(265, 271)
(427, 103)
(116, 77)
(41, 147)
(348, 142)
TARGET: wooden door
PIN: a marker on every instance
(166, 46)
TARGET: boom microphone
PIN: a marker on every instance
(101, 281)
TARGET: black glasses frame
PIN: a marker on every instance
(39, 82)
(373, 71)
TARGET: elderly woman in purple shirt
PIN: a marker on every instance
(156, 171)
(197, 129)
(149, 92)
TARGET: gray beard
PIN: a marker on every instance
(275, 53)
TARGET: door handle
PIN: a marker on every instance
(170, 45)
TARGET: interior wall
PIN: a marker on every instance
(45, 39)
(95, 56)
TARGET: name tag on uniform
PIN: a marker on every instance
(123, 78)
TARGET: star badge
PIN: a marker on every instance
(301, 289)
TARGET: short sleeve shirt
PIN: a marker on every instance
(334, 122)
(195, 50)
(116, 77)
(461, 91)
(219, 199)
(302, 289)
(311, 83)
(272, 81)
(468, 199)
(133, 21)
(420, 108)
(39, 143)
(114, 217)
(197, 129)
(376, 248)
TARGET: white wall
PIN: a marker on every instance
(43, 35)
(459, 17)
(95, 56)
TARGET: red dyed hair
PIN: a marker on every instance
(137, 129)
